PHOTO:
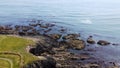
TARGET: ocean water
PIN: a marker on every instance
(99, 18)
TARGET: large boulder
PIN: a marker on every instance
(40, 48)
(42, 63)
(103, 42)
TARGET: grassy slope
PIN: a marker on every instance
(4, 64)
(15, 45)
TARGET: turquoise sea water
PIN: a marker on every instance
(100, 18)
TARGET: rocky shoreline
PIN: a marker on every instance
(54, 48)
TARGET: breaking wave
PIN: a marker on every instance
(86, 21)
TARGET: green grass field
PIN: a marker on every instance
(13, 51)
(5, 63)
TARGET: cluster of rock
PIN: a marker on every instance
(58, 51)
(39, 28)
(60, 55)
(35, 28)
(54, 51)
(100, 42)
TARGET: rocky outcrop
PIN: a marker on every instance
(103, 42)
(40, 48)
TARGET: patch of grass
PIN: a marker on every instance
(16, 45)
(4, 63)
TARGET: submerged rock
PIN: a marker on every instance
(103, 42)
(33, 24)
(115, 44)
(90, 40)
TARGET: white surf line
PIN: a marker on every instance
(11, 63)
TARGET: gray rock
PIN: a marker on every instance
(90, 41)
(103, 42)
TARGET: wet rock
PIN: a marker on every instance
(55, 36)
(94, 66)
(17, 26)
(84, 57)
(77, 44)
(59, 65)
(49, 63)
(103, 42)
(21, 33)
(10, 32)
(7, 27)
(75, 58)
(64, 44)
(44, 26)
(33, 24)
(62, 48)
(1, 27)
(48, 30)
(40, 48)
(44, 63)
(63, 30)
(90, 40)
(71, 36)
(115, 44)
(26, 28)
(115, 67)
(91, 66)
(30, 33)
(50, 24)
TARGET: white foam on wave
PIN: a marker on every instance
(86, 21)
